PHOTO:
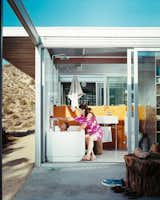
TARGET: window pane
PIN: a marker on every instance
(117, 90)
(100, 94)
(66, 88)
(90, 93)
(89, 96)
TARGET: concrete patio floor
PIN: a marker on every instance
(69, 181)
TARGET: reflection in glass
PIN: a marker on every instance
(147, 69)
(117, 90)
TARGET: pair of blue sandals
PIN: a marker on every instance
(112, 182)
(118, 186)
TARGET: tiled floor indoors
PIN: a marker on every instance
(111, 156)
(108, 157)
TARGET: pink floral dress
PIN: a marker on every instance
(92, 128)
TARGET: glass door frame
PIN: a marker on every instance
(134, 52)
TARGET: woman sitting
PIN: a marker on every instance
(93, 130)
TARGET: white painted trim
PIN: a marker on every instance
(14, 32)
(136, 118)
(99, 42)
(44, 125)
(92, 37)
(99, 31)
(147, 49)
(88, 31)
(46, 107)
(129, 97)
(38, 120)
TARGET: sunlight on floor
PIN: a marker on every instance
(108, 157)
(111, 156)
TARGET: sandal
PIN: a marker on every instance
(118, 189)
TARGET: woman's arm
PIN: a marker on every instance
(69, 118)
(64, 118)
(83, 126)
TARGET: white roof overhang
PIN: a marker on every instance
(92, 37)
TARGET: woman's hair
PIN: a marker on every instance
(86, 108)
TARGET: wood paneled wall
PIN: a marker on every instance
(20, 52)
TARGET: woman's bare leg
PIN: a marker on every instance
(87, 139)
(92, 138)
(93, 157)
(90, 154)
(87, 136)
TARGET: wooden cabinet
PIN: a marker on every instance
(121, 138)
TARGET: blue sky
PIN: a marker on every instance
(88, 13)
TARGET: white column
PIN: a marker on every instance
(38, 105)
(129, 98)
(136, 120)
(44, 107)
(48, 91)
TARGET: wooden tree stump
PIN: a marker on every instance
(98, 147)
(143, 175)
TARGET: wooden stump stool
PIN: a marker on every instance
(143, 175)
(98, 147)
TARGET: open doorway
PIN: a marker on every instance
(102, 74)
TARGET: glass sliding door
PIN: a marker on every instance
(146, 105)
(117, 90)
